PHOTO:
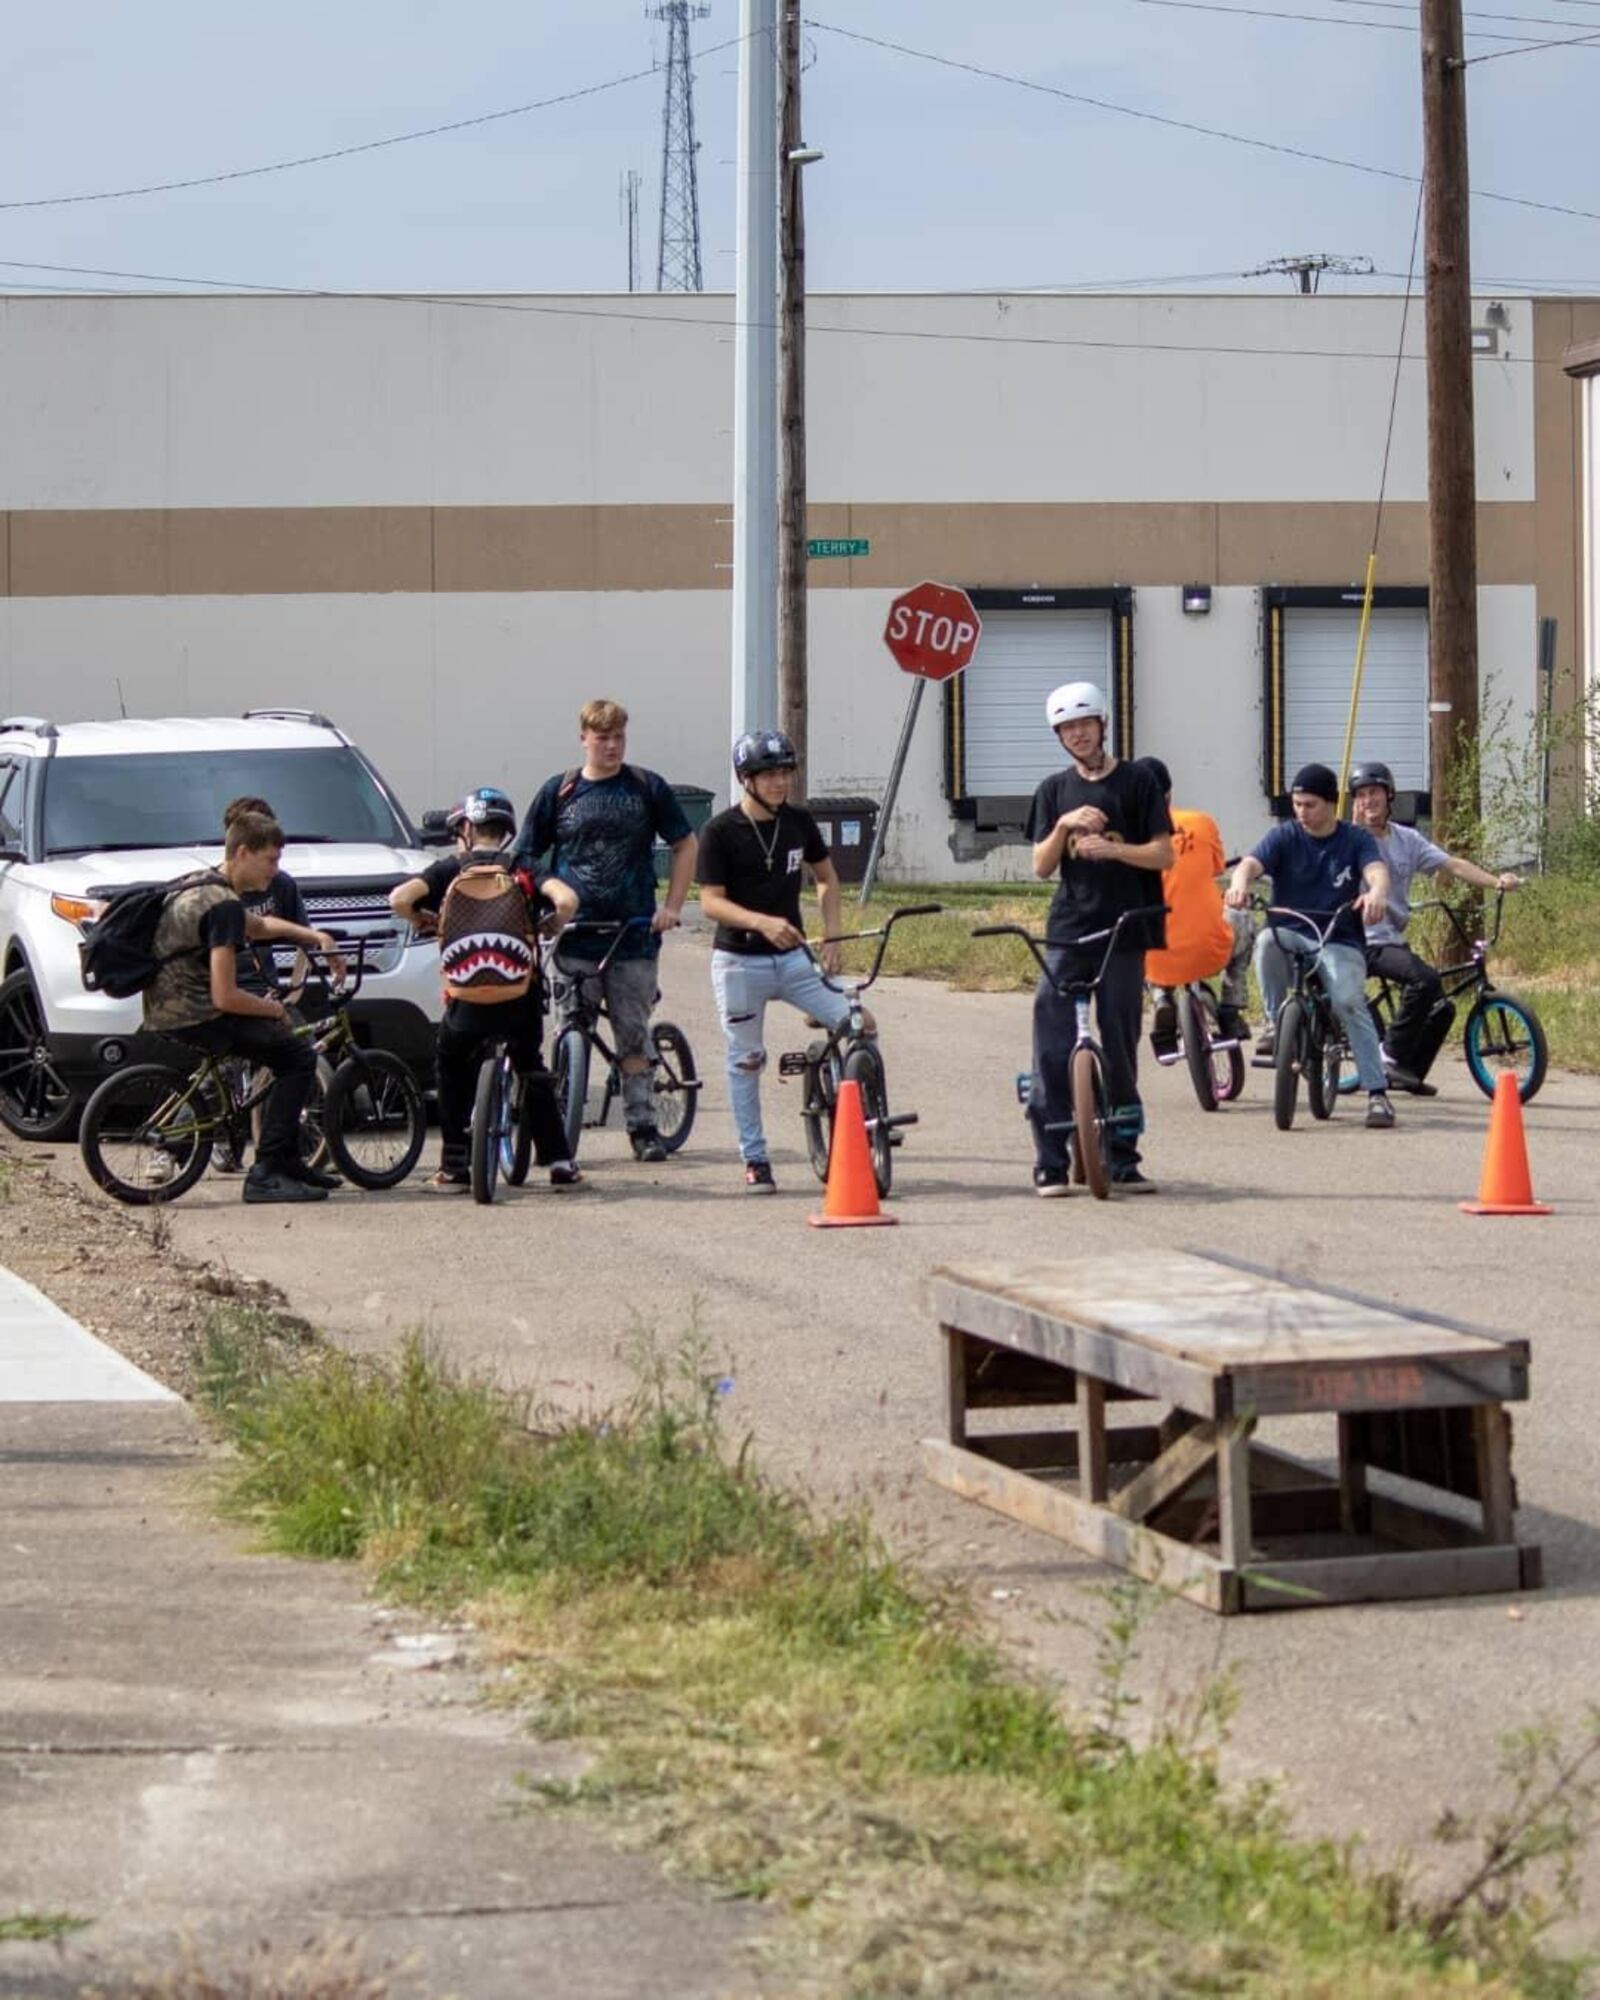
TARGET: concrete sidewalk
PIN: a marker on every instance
(200, 1744)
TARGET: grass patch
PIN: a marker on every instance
(782, 1709)
(42, 1927)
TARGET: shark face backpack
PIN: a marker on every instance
(487, 946)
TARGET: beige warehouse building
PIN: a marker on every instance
(446, 523)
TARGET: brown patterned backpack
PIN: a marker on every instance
(487, 943)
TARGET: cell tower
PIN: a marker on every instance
(678, 250)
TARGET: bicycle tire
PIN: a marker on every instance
(816, 1112)
(375, 1120)
(863, 1067)
(570, 1070)
(1227, 1065)
(1194, 1026)
(488, 1126)
(122, 1160)
(673, 1099)
(1493, 1041)
(314, 1149)
(1324, 1060)
(1089, 1123)
(516, 1145)
(1288, 1062)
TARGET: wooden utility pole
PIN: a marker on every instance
(1452, 470)
(792, 669)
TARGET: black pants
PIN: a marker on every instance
(466, 1035)
(290, 1058)
(1119, 1004)
(1415, 1034)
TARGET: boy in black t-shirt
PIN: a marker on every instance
(1104, 827)
(484, 824)
(750, 871)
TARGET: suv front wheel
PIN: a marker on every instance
(34, 1102)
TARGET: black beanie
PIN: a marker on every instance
(1317, 779)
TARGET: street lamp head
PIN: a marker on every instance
(804, 156)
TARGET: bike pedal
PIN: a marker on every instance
(1024, 1086)
(795, 1063)
(1167, 1062)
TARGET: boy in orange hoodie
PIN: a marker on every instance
(1203, 937)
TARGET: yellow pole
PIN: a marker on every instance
(1355, 685)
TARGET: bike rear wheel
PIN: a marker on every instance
(1324, 1060)
(1289, 1061)
(674, 1097)
(1194, 1025)
(570, 1070)
(864, 1068)
(140, 1143)
(375, 1120)
(516, 1145)
(491, 1117)
(1089, 1136)
(1504, 1033)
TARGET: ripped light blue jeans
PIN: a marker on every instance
(744, 983)
(1344, 973)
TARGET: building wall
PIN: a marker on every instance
(449, 523)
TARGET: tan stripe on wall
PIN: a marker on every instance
(269, 551)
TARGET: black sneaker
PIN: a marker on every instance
(1380, 1112)
(1051, 1182)
(1164, 1022)
(1401, 1078)
(565, 1173)
(1232, 1025)
(758, 1177)
(316, 1177)
(1131, 1181)
(646, 1143)
(265, 1184)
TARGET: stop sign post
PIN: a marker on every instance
(933, 632)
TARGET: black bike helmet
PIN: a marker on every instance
(488, 806)
(763, 750)
(1372, 774)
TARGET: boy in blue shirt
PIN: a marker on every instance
(1319, 864)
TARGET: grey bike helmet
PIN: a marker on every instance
(763, 750)
(487, 806)
(1372, 774)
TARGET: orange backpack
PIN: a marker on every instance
(488, 947)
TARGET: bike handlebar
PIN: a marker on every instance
(615, 928)
(354, 952)
(1040, 946)
(881, 933)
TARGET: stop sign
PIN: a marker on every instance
(932, 630)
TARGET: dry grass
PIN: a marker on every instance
(331, 1970)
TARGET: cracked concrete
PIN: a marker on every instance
(199, 1743)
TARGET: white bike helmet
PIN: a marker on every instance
(1074, 701)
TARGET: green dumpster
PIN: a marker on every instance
(696, 802)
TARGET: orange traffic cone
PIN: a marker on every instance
(851, 1201)
(1505, 1186)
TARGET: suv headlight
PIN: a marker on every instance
(76, 910)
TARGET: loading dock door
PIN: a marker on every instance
(1022, 655)
(1319, 654)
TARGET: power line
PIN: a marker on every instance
(1182, 124)
(1530, 48)
(349, 152)
(1381, 27)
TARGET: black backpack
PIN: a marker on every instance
(117, 955)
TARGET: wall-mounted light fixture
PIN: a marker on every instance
(1196, 599)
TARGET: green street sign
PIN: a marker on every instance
(835, 547)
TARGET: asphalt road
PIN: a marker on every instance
(1378, 1716)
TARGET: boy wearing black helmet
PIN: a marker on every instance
(484, 824)
(1320, 864)
(1418, 1030)
(751, 866)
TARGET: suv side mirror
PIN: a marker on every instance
(434, 832)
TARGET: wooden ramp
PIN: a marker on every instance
(1162, 1375)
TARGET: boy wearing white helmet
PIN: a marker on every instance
(1102, 826)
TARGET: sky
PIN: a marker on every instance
(935, 178)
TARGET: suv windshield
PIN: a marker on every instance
(175, 799)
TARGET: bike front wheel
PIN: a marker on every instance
(1289, 1061)
(816, 1110)
(674, 1096)
(1089, 1135)
(1194, 1025)
(1324, 1061)
(142, 1141)
(570, 1071)
(491, 1123)
(1503, 1034)
(864, 1068)
(374, 1119)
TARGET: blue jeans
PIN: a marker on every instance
(1344, 974)
(744, 983)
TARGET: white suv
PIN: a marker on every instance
(86, 807)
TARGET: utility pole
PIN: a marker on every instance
(793, 159)
(1452, 469)
(755, 376)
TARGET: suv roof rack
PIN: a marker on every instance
(35, 725)
(312, 716)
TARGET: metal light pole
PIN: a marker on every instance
(795, 156)
(755, 376)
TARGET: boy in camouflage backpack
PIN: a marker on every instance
(487, 915)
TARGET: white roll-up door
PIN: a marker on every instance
(1020, 658)
(1319, 658)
